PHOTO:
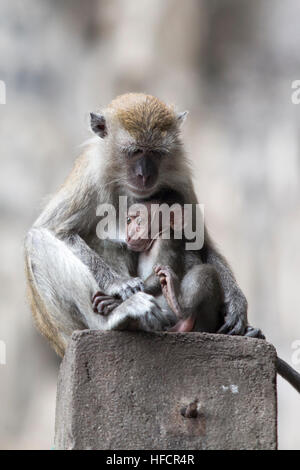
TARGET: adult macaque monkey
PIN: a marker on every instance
(137, 153)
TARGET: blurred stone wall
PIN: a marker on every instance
(231, 64)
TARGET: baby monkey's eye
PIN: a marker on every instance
(128, 220)
(139, 221)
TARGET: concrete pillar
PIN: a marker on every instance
(169, 391)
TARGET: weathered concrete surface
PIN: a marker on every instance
(126, 390)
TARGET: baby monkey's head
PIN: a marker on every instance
(149, 221)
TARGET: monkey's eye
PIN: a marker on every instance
(128, 220)
(136, 152)
(139, 221)
(158, 153)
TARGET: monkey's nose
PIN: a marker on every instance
(143, 179)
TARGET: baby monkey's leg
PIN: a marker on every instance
(170, 288)
(197, 300)
(201, 295)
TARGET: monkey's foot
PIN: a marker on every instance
(184, 326)
(254, 332)
(169, 282)
(104, 304)
(235, 312)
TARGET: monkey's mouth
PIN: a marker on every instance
(145, 192)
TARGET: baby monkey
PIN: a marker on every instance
(188, 291)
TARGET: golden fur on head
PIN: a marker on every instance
(140, 114)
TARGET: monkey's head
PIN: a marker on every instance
(142, 139)
(138, 228)
(146, 222)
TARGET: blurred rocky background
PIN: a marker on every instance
(231, 63)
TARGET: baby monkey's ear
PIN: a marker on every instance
(98, 124)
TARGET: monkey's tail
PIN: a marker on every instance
(288, 373)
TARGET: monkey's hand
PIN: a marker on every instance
(124, 287)
(170, 287)
(104, 304)
(235, 308)
(139, 312)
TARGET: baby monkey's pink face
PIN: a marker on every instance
(146, 223)
(138, 229)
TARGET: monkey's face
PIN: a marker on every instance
(143, 148)
(138, 231)
(143, 167)
(148, 162)
(146, 223)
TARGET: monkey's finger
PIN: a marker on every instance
(98, 294)
(108, 308)
(138, 284)
(100, 302)
(161, 272)
(238, 329)
(157, 268)
(138, 289)
(95, 304)
(100, 299)
(111, 307)
(104, 303)
(128, 292)
(142, 287)
(104, 297)
(225, 328)
(254, 333)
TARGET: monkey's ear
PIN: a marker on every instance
(181, 117)
(98, 124)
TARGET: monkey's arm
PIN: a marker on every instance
(234, 300)
(107, 278)
(71, 217)
(152, 285)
